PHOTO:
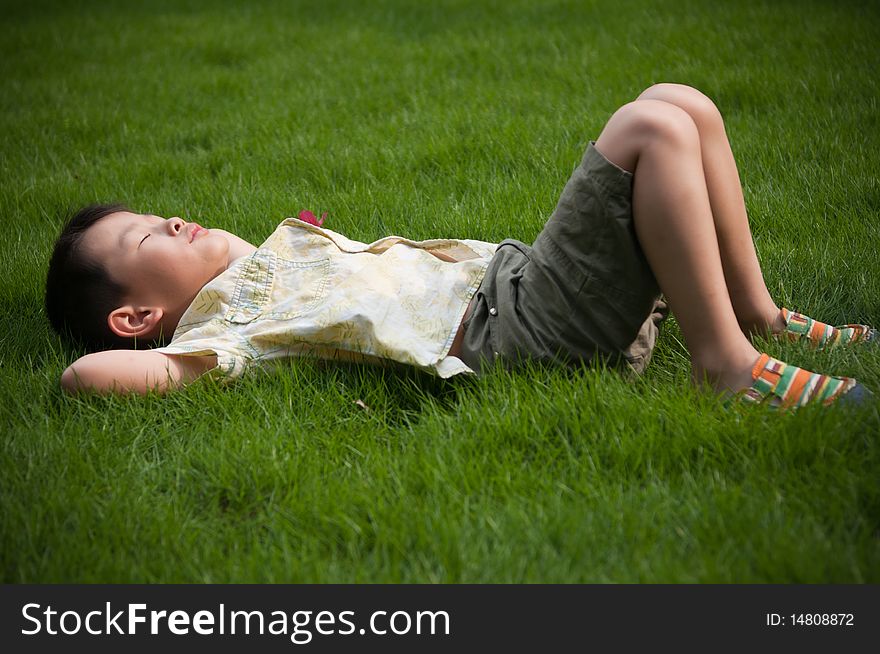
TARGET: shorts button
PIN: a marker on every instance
(493, 311)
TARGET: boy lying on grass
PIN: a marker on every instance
(655, 206)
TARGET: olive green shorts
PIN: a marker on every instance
(582, 290)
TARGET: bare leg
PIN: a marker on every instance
(755, 310)
(660, 144)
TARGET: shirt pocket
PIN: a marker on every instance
(271, 287)
(301, 287)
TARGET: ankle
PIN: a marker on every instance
(732, 372)
(768, 323)
(779, 323)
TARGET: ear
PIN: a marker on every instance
(129, 321)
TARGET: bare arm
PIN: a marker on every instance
(133, 371)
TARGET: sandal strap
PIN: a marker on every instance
(787, 386)
(821, 334)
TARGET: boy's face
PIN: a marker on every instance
(162, 262)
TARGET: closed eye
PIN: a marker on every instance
(143, 239)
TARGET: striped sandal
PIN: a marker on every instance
(798, 326)
(782, 385)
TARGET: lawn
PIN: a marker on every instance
(427, 119)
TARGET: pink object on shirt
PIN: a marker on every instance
(308, 217)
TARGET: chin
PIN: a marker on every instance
(217, 238)
(214, 247)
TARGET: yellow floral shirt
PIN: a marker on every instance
(310, 291)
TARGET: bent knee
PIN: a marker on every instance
(640, 125)
(697, 104)
(654, 120)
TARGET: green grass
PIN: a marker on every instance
(459, 119)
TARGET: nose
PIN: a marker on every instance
(174, 226)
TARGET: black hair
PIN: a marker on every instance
(79, 292)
